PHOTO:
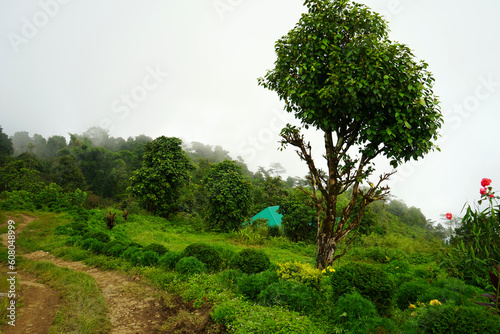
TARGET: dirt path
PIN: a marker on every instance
(133, 307)
(39, 302)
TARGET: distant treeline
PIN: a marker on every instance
(102, 166)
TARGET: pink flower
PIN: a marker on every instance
(485, 182)
(492, 196)
(449, 216)
(483, 191)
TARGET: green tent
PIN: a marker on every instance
(270, 213)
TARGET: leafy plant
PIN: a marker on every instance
(157, 248)
(290, 294)
(189, 266)
(494, 296)
(251, 261)
(110, 219)
(300, 273)
(370, 281)
(205, 253)
(251, 286)
(169, 260)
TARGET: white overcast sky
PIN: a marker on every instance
(189, 69)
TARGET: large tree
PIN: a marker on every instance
(164, 171)
(338, 72)
(229, 196)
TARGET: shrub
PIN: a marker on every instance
(356, 314)
(149, 258)
(169, 260)
(205, 253)
(157, 248)
(75, 240)
(409, 293)
(245, 318)
(295, 296)
(251, 261)
(371, 282)
(115, 250)
(99, 235)
(452, 290)
(97, 247)
(301, 273)
(462, 319)
(252, 285)
(17, 200)
(227, 255)
(190, 265)
(132, 254)
(87, 243)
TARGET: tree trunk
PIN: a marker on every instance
(326, 251)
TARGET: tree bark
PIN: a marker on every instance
(326, 251)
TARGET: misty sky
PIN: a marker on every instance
(189, 69)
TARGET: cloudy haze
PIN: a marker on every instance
(189, 69)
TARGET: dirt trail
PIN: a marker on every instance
(39, 302)
(133, 307)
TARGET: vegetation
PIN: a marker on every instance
(338, 72)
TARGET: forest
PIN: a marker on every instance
(194, 238)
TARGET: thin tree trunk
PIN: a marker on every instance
(326, 251)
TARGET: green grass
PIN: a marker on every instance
(83, 309)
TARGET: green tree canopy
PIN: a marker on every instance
(164, 171)
(228, 195)
(6, 147)
(338, 72)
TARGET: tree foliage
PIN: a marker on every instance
(6, 147)
(228, 196)
(338, 72)
(164, 171)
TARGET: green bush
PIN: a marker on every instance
(302, 273)
(87, 243)
(17, 200)
(290, 294)
(246, 318)
(410, 292)
(189, 266)
(75, 240)
(251, 261)
(157, 248)
(149, 258)
(97, 247)
(169, 260)
(115, 250)
(206, 254)
(132, 254)
(452, 290)
(227, 255)
(251, 286)
(99, 235)
(356, 314)
(447, 319)
(370, 281)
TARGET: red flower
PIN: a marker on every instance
(492, 196)
(449, 215)
(483, 191)
(485, 182)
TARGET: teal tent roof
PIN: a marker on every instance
(270, 213)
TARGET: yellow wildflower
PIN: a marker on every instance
(412, 306)
(435, 302)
